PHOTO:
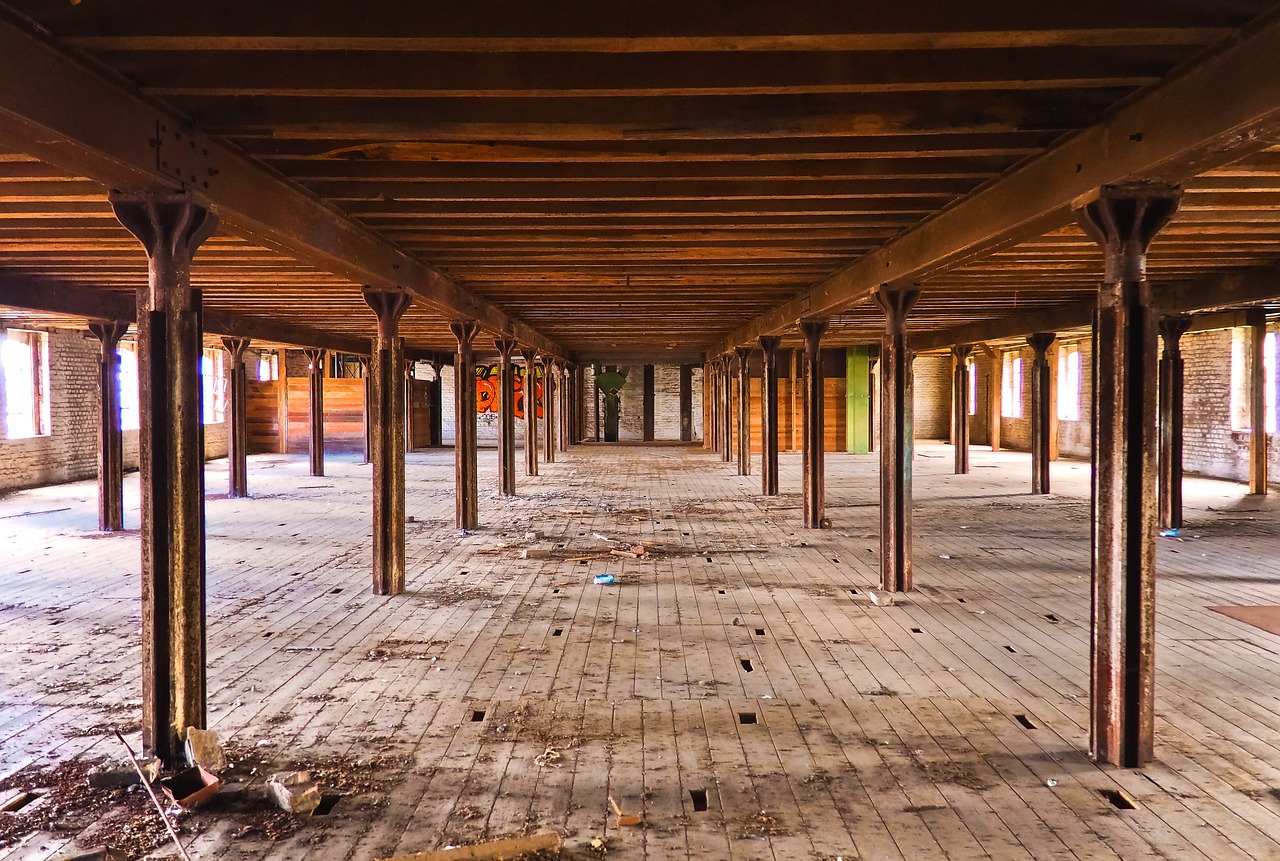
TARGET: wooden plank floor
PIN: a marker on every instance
(740, 663)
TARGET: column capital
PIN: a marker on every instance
(236, 347)
(962, 351)
(109, 332)
(1041, 342)
(1171, 331)
(813, 328)
(1123, 220)
(465, 332)
(896, 301)
(315, 356)
(505, 347)
(168, 224)
(769, 344)
(388, 305)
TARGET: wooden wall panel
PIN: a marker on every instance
(343, 415)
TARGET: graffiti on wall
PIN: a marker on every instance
(487, 384)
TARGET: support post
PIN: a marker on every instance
(436, 394)
(897, 443)
(365, 417)
(1256, 319)
(960, 407)
(1124, 220)
(237, 419)
(813, 433)
(648, 403)
(726, 412)
(530, 396)
(549, 389)
(171, 460)
(282, 401)
(407, 374)
(110, 437)
(744, 410)
(1040, 411)
(769, 414)
(795, 400)
(387, 408)
(1172, 370)
(315, 408)
(506, 417)
(686, 403)
(466, 494)
(565, 388)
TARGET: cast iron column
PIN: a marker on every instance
(1040, 406)
(365, 421)
(769, 414)
(467, 500)
(1124, 220)
(711, 378)
(549, 389)
(530, 397)
(960, 407)
(506, 417)
(726, 408)
(897, 440)
(386, 409)
(1169, 493)
(813, 435)
(315, 408)
(110, 438)
(409, 428)
(436, 394)
(171, 462)
(237, 419)
(1256, 322)
(744, 410)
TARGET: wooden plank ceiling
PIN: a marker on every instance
(637, 177)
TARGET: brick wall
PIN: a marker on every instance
(666, 403)
(69, 452)
(932, 401)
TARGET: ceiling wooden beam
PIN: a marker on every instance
(1201, 118)
(73, 116)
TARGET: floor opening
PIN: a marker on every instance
(759, 632)
(327, 803)
(917, 630)
(747, 717)
(1052, 618)
(962, 601)
(477, 716)
(1025, 721)
(699, 797)
(558, 632)
(334, 591)
(19, 801)
(1011, 650)
(746, 665)
(722, 592)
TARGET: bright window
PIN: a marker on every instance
(973, 388)
(1269, 370)
(1011, 389)
(128, 354)
(269, 367)
(1069, 384)
(1240, 346)
(24, 360)
(213, 381)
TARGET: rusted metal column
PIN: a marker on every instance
(897, 440)
(171, 462)
(366, 420)
(466, 493)
(813, 434)
(726, 414)
(1040, 416)
(408, 405)
(385, 391)
(110, 438)
(506, 417)
(237, 419)
(530, 400)
(1256, 319)
(436, 394)
(1123, 220)
(566, 406)
(711, 390)
(769, 414)
(960, 407)
(744, 410)
(315, 408)
(1169, 491)
(549, 389)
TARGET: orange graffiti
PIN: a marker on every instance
(487, 385)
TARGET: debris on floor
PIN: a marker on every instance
(204, 749)
(191, 788)
(536, 846)
(624, 819)
(294, 791)
(106, 853)
(536, 553)
(881, 599)
(604, 579)
(113, 773)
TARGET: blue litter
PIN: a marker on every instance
(604, 579)
(1168, 533)
(464, 531)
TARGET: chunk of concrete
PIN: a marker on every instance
(115, 773)
(294, 791)
(536, 553)
(204, 749)
(882, 599)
